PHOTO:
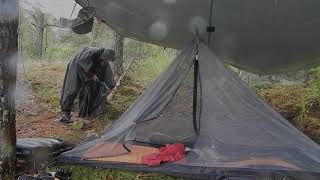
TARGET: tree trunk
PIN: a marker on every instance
(96, 32)
(8, 62)
(38, 34)
(118, 64)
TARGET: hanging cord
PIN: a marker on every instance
(210, 28)
(195, 85)
(74, 7)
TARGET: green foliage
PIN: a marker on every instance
(303, 114)
(59, 53)
(84, 173)
(315, 81)
(298, 104)
(288, 100)
(77, 125)
(139, 50)
(26, 31)
(121, 101)
(75, 40)
(151, 67)
(59, 44)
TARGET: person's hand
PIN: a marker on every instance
(95, 78)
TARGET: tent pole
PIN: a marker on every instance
(210, 28)
(195, 86)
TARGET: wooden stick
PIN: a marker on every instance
(113, 91)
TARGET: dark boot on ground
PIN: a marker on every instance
(65, 118)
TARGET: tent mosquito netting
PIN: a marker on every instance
(230, 132)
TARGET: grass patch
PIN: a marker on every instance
(46, 81)
(77, 125)
(109, 174)
(298, 104)
(121, 101)
(151, 68)
(287, 100)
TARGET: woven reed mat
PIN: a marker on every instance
(133, 157)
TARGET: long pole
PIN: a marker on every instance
(210, 22)
(195, 86)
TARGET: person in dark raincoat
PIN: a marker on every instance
(88, 76)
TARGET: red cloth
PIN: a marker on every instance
(169, 153)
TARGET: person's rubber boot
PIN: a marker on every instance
(65, 118)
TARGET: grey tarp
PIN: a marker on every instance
(77, 82)
(240, 135)
(263, 36)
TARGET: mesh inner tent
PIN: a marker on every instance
(175, 122)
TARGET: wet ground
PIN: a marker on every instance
(32, 121)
